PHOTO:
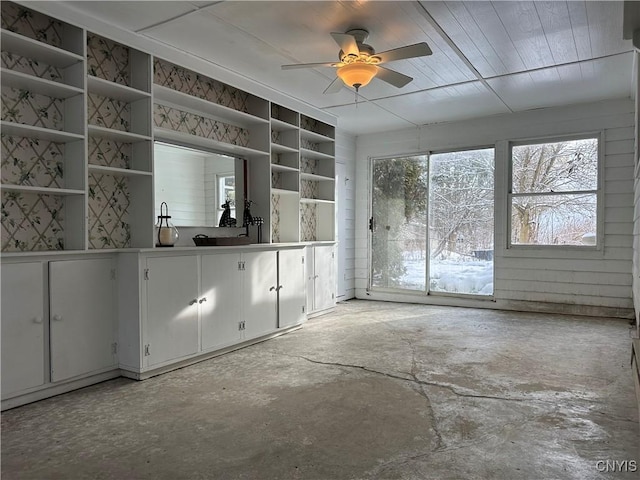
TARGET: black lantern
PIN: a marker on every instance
(166, 233)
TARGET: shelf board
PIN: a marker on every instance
(125, 172)
(114, 90)
(282, 191)
(315, 137)
(277, 148)
(35, 50)
(117, 135)
(313, 154)
(188, 140)
(29, 131)
(42, 190)
(173, 98)
(283, 168)
(38, 85)
(315, 178)
(281, 125)
(316, 200)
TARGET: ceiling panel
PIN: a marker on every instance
(444, 104)
(133, 15)
(592, 80)
(605, 28)
(367, 117)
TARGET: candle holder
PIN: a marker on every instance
(166, 233)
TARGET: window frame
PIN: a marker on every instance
(599, 192)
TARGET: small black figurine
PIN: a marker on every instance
(226, 220)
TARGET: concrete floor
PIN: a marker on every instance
(375, 390)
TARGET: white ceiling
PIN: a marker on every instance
(488, 57)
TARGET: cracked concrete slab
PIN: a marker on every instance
(373, 391)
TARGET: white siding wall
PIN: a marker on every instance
(636, 189)
(570, 280)
(345, 215)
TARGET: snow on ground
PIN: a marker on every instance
(450, 272)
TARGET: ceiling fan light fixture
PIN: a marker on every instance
(357, 75)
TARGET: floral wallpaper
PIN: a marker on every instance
(31, 161)
(29, 23)
(275, 218)
(109, 153)
(22, 106)
(109, 203)
(308, 165)
(26, 65)
(310, 124)
(108, 112)
(187, 81)
(108, 60)
(308, 189)
(32, 222)
(307, 222)
(179, 121)
(275, 136)
(276, 180)
(304, 143)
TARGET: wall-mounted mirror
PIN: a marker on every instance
(196, 183)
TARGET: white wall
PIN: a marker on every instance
(536, 279)
(636, 188)
(345, 214)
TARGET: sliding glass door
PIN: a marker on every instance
(432, 223)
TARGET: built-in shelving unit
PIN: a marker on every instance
(90, 182)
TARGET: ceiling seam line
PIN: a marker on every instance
(177, 17)
(461, 55)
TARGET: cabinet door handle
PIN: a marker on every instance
(279, 288)
(57, 318)
(272, 289)
(203, 299)
(193, 302)
(37, 320)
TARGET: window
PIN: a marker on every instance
(554, 192)
(226, 187)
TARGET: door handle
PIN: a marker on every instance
(37, 320)
(57, 318)
(279, 288)
(193, 302)
(203, 299)
(272, 289)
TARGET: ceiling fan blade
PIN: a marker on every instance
(309, 65)
(334, 87)
(392, 77)
(346, 42)
(410, 51)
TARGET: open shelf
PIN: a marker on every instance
(117, 135)
(313, 154)
(316, 200)
(282, 191)
(38, 85)
(41, 190)
(183, 101)
(115, 90)
(277, 148)
(314, 137)
(281, 126)
(21, 130)
(125, 172)
(188, 140)
(283, 168)
(315, 178)
(35, 50)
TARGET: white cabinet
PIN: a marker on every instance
(23, 327)
(171, 320)
(82, 317)
(259, 293)
(291, 288)
(320, 273)
(221, 312)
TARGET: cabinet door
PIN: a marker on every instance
(325, 283)
(221, 309)
(83, 317)
(291, 288)
(171, 320)
(309, 275)
(22, 327)
(259, 292)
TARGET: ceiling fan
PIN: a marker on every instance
(359, 62)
